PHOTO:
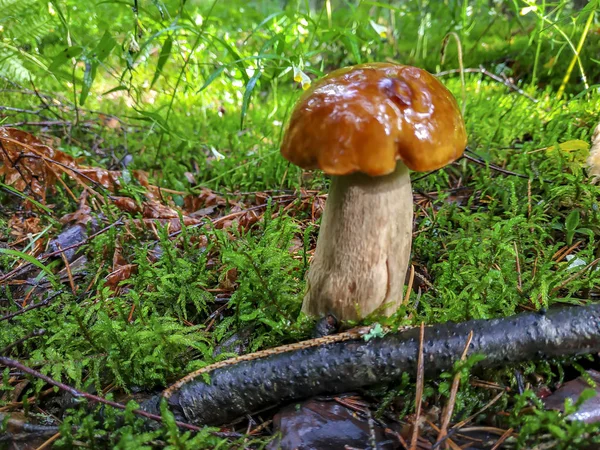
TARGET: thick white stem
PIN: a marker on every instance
(363, 247)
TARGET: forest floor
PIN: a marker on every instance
(145, 231)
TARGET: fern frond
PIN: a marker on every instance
(23, 23)
(12, 67)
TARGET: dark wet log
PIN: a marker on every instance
(252, 385)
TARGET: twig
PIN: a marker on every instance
(482, 70)
(35, 333)
(48, 442)
(265, 377)
(29, 308)
(574, 276)
(462, 423)
(483, 163)
(561, 253)
(19, 110)
(452, 399)
(502, 438)
(10, 274)
(44, 123)
(68, 269)
(420, 385)
(93, 398)
(446, 438)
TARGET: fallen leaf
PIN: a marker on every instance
(589, 411)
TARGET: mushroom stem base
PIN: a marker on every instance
(363, 247)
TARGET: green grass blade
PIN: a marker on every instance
(165, 53)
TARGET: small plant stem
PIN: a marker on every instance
(570, 44)
(180, 77)
(518, 266)
(411, 279)
(575, 58)
(538, 48)
(460, 65)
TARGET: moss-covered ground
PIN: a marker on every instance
(197, 94)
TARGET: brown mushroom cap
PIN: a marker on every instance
(363, 118)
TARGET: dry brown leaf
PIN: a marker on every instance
(21, 227)
(120, 274)
(206, 198)
(27, 163)
(126, 204)
(111, 179)
(228, 281)
(155, 210)
(173, 225)
(83, 214)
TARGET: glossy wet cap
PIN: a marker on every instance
(364, 118)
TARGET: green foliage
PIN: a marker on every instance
(268, 281)
(555, 427)
(375, 332)
(23, 25)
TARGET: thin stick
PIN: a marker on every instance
(502, 438)
(29, 308)
(411, 279)
(560, 254)
(68, 269)
(94, 398)
(483, 163)
(48, 442)
(446, 438)
(35, 333)
(420, 384)
(471, 417)
(119, 222)
(574, 276)
(482, 70)
(453, 391)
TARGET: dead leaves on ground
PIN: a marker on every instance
(33, 167)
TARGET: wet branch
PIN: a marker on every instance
(254, 384)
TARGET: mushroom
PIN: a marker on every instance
(366, 126)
